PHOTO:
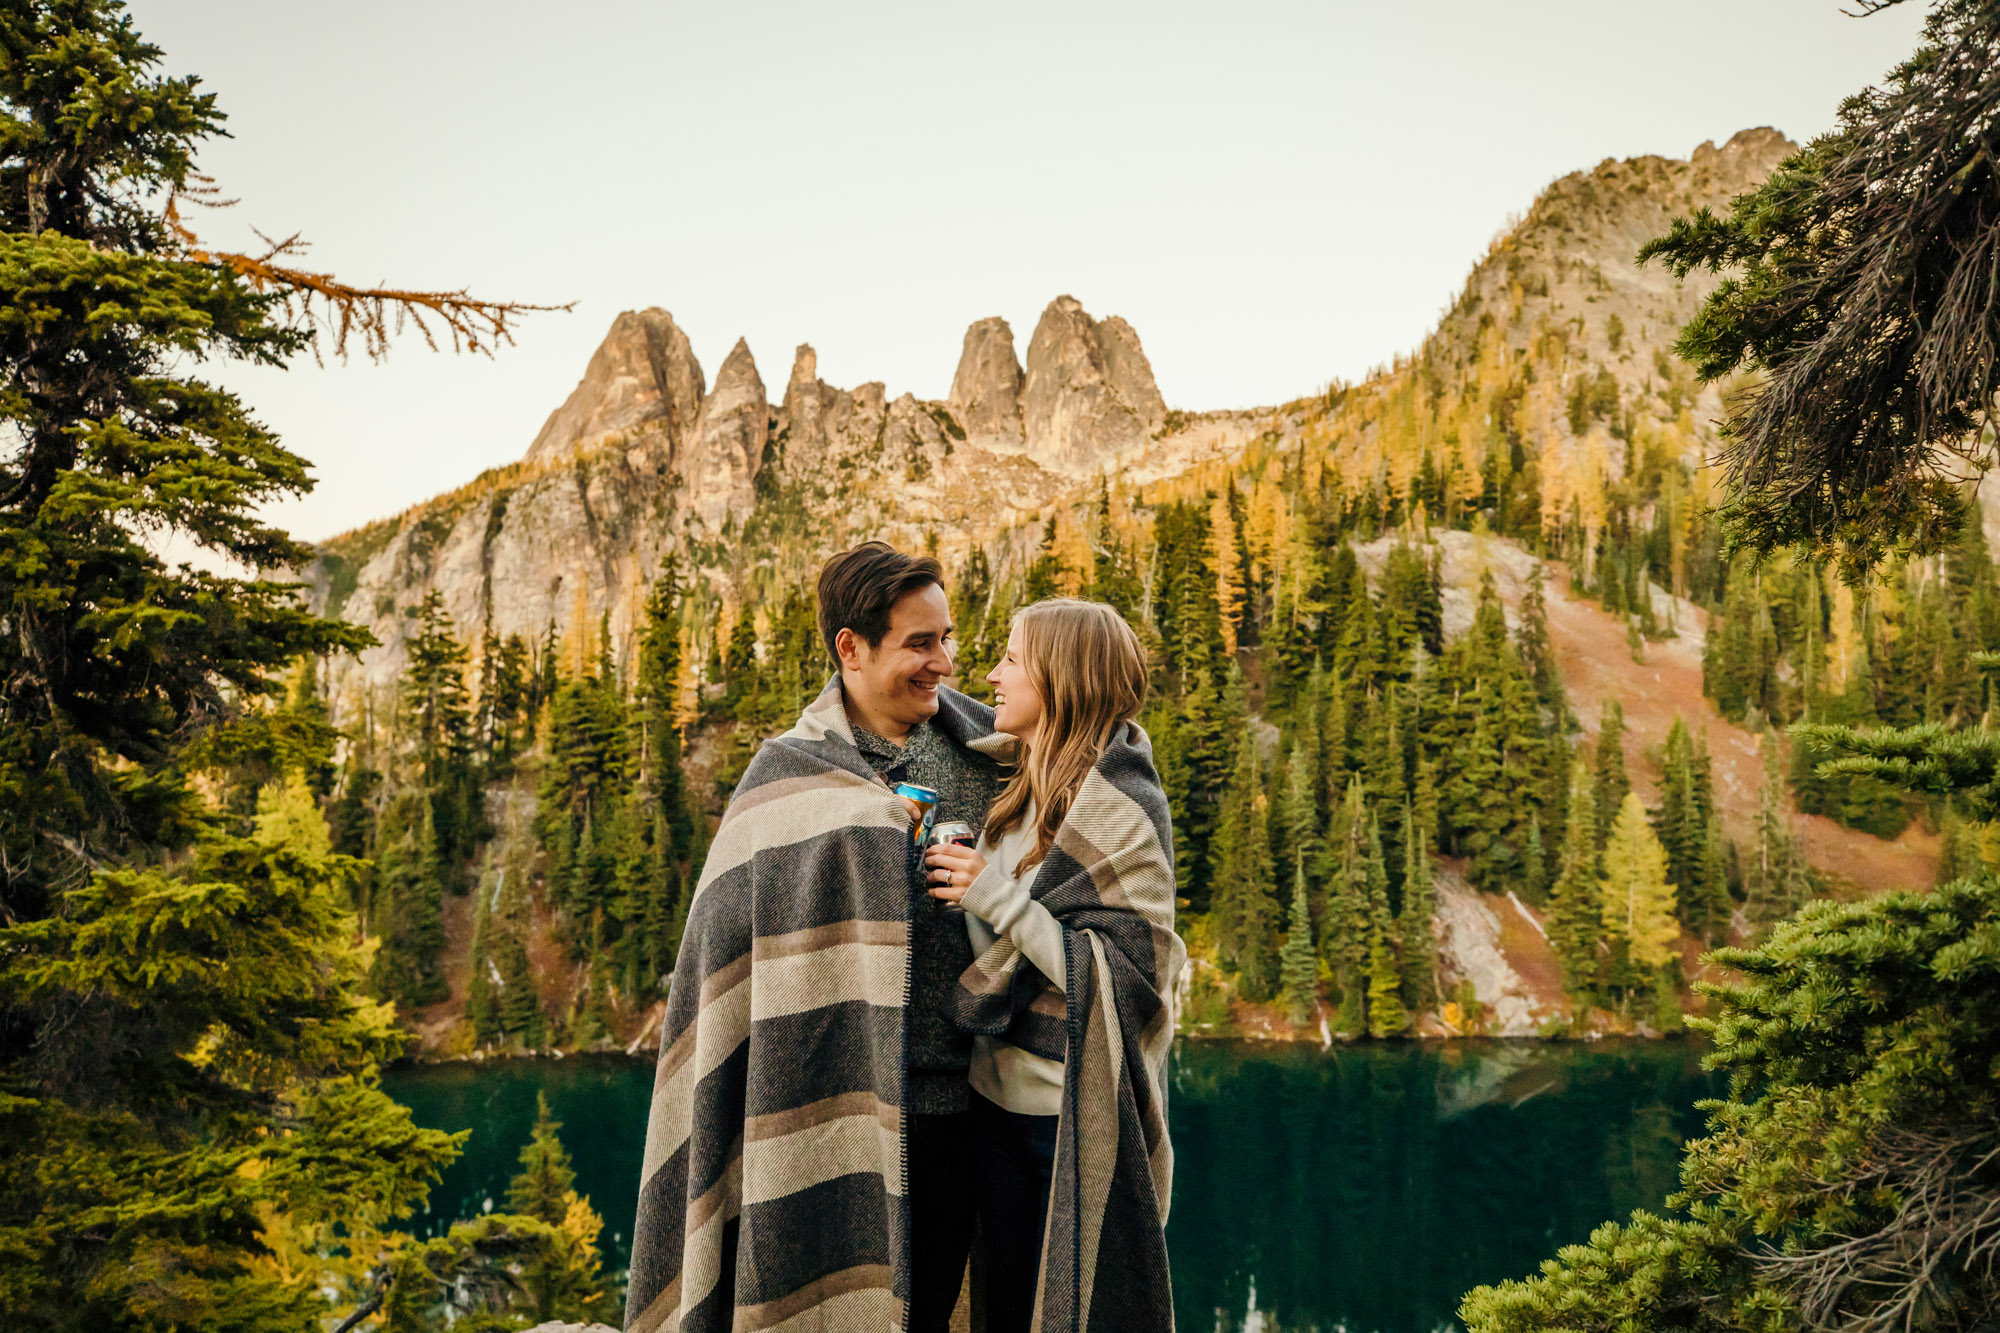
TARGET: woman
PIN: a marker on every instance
(1068, 888)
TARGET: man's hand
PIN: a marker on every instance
(952, 869)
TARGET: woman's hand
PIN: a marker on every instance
(952, 869)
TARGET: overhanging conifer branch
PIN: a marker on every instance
(374, 314)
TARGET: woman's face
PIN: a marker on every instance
(1017, 707)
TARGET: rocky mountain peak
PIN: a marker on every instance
(986, 390)
(644, 372)
(1088, 396)
(720, 460)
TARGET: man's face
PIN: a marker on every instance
(898, 678)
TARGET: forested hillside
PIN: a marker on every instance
(1360, 702)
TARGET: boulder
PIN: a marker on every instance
(643, 375)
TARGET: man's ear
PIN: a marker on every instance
(847, 646)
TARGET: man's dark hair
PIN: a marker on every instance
(858, 588)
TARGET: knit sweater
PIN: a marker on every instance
(997, 903)
(966, 783)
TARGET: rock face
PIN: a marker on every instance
(644, 372)
(986, 391)
(1088, 398)
(726, 448)
(646, 458)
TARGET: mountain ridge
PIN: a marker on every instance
(645, 457)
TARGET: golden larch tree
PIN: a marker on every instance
(1638, 902)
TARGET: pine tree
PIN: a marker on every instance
(1298, 963)
(1710, 921)
(410, 885)
(1537, 649)
(546, 1178)
(1417, 938)
(1246, 908)
(1386, 1015)
(1534, 864)
(1638, 902)
(1575, 911)
(1776, 882)
(519, 1007)
(1345, 943)
(1113, 579)
(1044, 579)
(565, 1278)
(1678, 822)
(1612, 784)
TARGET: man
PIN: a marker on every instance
(806, 1157)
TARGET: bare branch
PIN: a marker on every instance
(341, 311)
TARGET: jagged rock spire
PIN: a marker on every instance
(1088, 396)
(644, 373)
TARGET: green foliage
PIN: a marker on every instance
(1575, 916)
(1298, 963)
(1858, 290)
(217, 1099)
(1416, 938)
(1843, 1178)
(1246, 908)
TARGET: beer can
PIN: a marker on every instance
(924, 797)
(952, 831)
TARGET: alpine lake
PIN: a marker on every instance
(1362, 1188)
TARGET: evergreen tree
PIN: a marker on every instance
(541, 1189)
(1044, 578)
(1298, 963)
(409, 887)
(1612, 784)
(1776, 882)
(1575, 911)
(1113, 579)
(519, 1008)
(241, 951)
(1386, 1015)
(1534, 864)
(1679, 822)
(565, 1276)
(1345, 942)
(1638, 902)
(1246, 907)
(1418, 940)
(1538, 659)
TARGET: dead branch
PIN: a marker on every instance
(1934, 1260)
(340, 311)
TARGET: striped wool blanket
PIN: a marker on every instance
(772, 1191)
(1109, 879)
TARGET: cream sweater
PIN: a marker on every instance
(996, 904)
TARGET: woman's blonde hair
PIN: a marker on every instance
(1085, 662)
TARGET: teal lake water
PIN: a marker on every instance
(1362, 1189)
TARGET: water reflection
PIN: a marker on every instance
(1360, 1189)
(1367, 1188)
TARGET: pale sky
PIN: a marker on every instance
(1275, 195)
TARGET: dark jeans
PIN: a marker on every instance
(1015, 1156)
(942, 1204)
(992, 1164)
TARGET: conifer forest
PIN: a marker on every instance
(1620, 663)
